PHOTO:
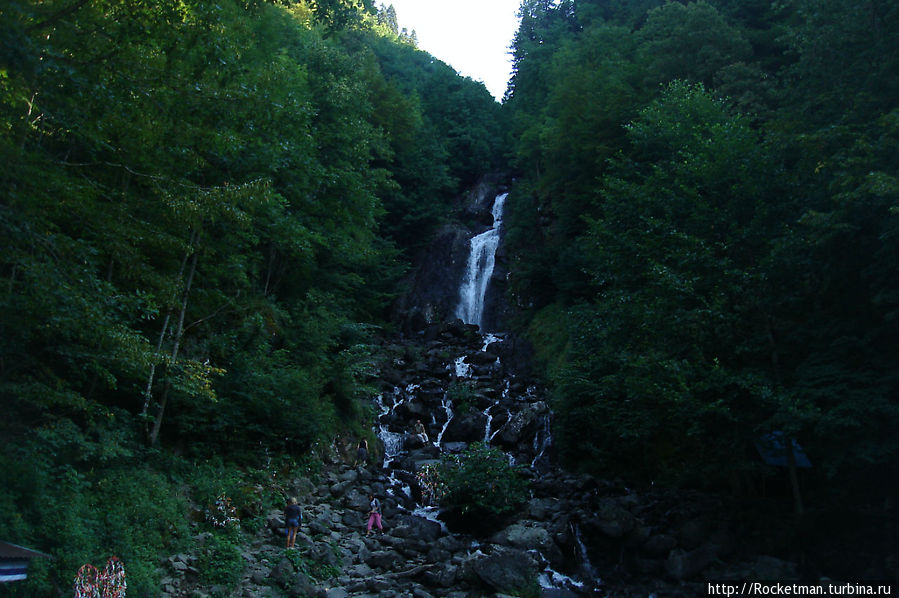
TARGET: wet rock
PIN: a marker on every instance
(466, 427)
(637, 537)
(522, 425)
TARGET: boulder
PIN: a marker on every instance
(408, 526)
(481, 358)
(684, 564)
(281, 574)
(507, 571)
(445, 576)
(529, 537)
(611, 520)
(522, 425)
(384, 559)
(467, 427)
(301, 587)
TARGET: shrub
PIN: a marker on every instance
(481, 485)
(220, 562)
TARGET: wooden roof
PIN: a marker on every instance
(14, 551)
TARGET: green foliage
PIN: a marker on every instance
(481, 483)
(700, 231)
(220, 561)
(204, 212)
(131, 512)
(315, 570)
(462, 396)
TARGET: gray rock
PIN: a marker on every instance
(337, 490)
(506, 571)
(416, 527)
(466, 427)
(258, 576)
(282, 574)
(356, 500)
(683, 564)
(350, 475)
(612, 520)
(521, 425)
(361, 570)
(542, 508)
(384, 559)
(530, 537)
(323, 553)
(442, 577)
(301, 587)
(481, 358)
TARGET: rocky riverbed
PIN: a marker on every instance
(575, 536)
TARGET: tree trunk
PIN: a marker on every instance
(176, 345)
(148, 390)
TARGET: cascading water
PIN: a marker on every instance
(481, 261)
(492, 407)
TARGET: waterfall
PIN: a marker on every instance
(481, 261)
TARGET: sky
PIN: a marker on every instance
(472, 36)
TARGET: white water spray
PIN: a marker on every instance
(481, 261)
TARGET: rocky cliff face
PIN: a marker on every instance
(433, 284)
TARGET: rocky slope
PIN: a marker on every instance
(575, 536)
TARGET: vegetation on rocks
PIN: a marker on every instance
(481, 484)
(207, 211)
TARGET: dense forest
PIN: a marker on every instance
(704, 240)
(207, 209)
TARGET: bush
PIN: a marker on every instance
(480, 486)
(220, 562)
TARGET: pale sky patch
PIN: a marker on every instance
(472, 36)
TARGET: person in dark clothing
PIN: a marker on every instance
(292, 517)
(362, 454)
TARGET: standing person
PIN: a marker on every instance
(362, 454)
(374, 514)
(292, 517)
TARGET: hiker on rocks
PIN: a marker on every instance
(292, 517)
(362, 454)
(420, 431)
(374, 514)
